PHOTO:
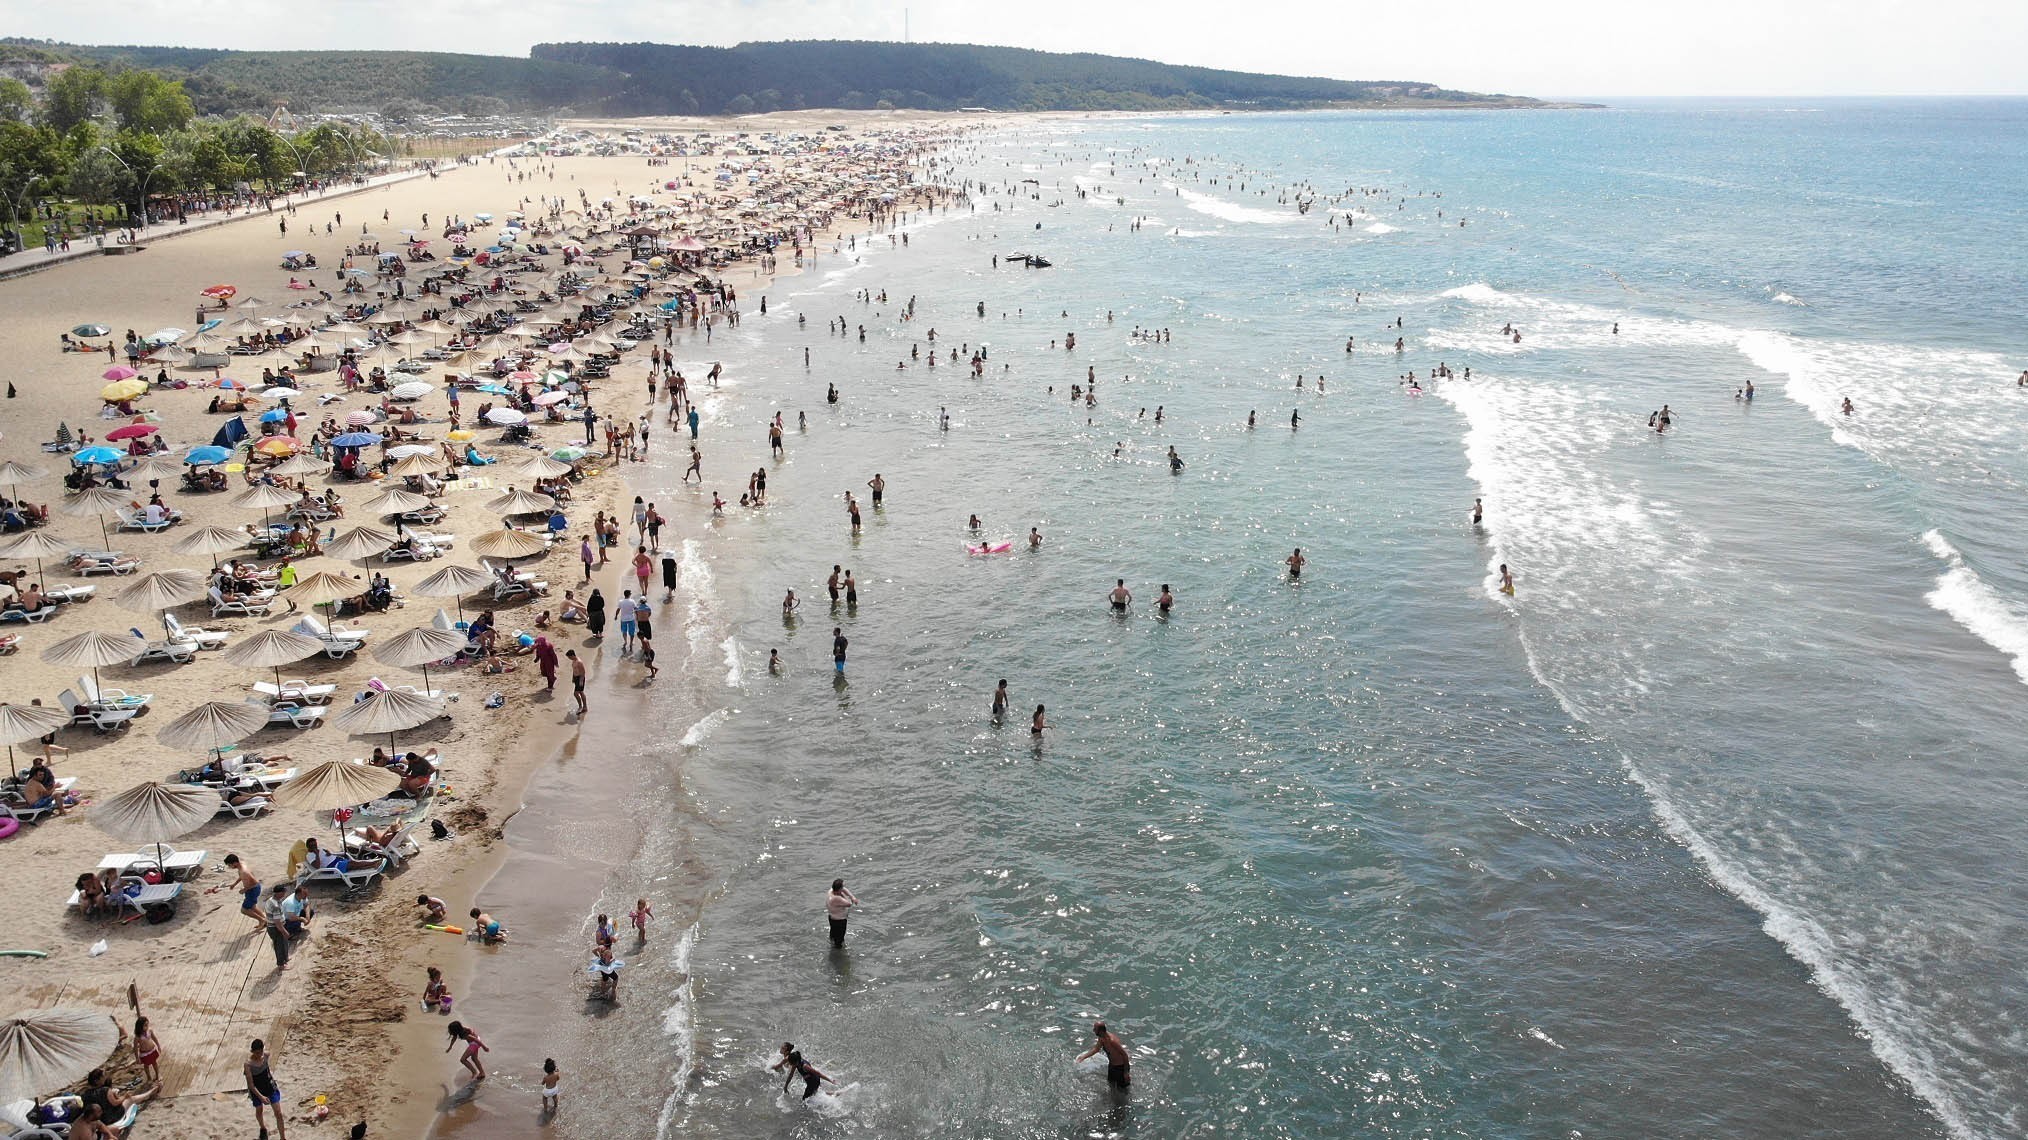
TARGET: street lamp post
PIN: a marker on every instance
(145, 179)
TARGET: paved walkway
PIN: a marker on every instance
(38, 259)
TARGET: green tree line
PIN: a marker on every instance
(118, 137)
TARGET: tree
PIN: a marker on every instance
(740, 105)
(73, 97)
(16, 100)
(144, 101)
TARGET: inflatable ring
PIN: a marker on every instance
(8, 826)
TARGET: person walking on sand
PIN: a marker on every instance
(249, 887)
(587, 555)
(469, 1037)
(546, 663)
(577, 676)
(262, 1090)
(1118, 1064)
(839, 906)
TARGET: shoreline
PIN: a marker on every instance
(589, 764)
(205, 980)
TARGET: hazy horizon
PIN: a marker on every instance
(1726, 49)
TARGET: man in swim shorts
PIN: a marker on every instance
(1118, 1065)
(1296, 563)
(1120, 595)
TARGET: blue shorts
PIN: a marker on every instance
(627, 629)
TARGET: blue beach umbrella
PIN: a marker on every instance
(96, 455)
(207, 455)
(91, 330)
(293, 253)
(356, 439)
(274, 415)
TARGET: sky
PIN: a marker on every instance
(1544, 48)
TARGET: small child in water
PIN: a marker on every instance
(640, 917)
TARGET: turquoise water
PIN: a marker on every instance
(1714, 828)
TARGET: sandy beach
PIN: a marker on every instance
(342, 1021)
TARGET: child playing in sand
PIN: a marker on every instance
(438, 912)
(485, 928)
(436, 995)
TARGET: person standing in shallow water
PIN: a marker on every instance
(838, 906)
(1119, 1066)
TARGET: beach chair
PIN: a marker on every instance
(32, 617)
(433, 694)
(86, 563)
(397, 851)
(251, 809)
(141, 897)
(424, 515)
(131, 519)
(101, 719)
(357, 874)
(290, 713)
(311, 512)
(174, 652)
(443, 621)
(174, 864)
(109, 697)
(338, 641)
(205, 638)
(66, 595)
(251, 778)
(21, 812)
(295, 690)
(248, 605)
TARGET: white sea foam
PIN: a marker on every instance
(1928, 411)
(1570, 533)
(1229, 211)
(701, 731)
(734, 675)
(1382, 228)
(1548, 323)
(1789, 299)
(679, 1022)
(1966, 597)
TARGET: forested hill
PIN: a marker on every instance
(663, 79)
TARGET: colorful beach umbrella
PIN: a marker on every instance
(119, 372)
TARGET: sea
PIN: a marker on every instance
(1715, 826)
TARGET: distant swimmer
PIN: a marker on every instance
(2023, 381)
(1175, 460)
(1506, 580)
(1295, 420)
(1295, 563)
(1249, 418)
(1040, 722)
(793, 1061)
(943, 420)
(1348, 344)
(1034, 539)
(879, 486)
(1847, 406)
(1166, 600)
(1478, 511)
(775, 661)
(838, 643)
(973, 523)
(790, 604)
(1118, 1065)
(1616, 328)
(1749, 389)
(1120, 595)
(1000, 699)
